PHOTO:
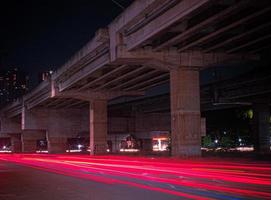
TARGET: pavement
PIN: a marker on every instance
(72, 177)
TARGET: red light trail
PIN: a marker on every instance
(192, 179)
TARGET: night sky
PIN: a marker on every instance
(38, 35)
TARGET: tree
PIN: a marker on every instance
(207, 141)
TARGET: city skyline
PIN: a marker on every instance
(13, 85)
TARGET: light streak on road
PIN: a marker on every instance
(192, 179)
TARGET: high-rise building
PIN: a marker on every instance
(45, 75)
(13, 84)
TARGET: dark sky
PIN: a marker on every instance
(37, 35)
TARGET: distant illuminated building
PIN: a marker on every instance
(46, 75)
(13, 84)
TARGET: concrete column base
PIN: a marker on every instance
(16, 143)
(57, 145)
(261, 137)
(30, 138)
(29, 146)
(99, 148)
(186, 150)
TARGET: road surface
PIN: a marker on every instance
(74, 177)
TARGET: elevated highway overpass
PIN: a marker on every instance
(150, 43)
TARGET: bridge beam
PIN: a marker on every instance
(87, 95)
(168, 59)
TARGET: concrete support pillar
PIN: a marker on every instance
(185, 112)
(98, 126)
(261, 115)
(29, 140)
(57, 144)
(29, 144)
(16, 142)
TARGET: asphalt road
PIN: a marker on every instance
(57, 177)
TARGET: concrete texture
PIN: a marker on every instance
(16, 143)
(185, 112)
(261, 126)
(98, 126)
(29, 140)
